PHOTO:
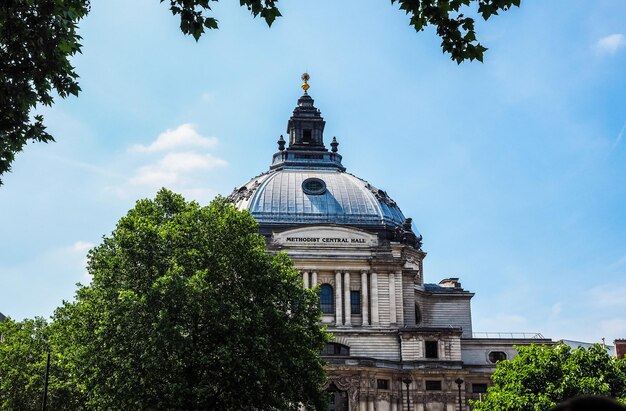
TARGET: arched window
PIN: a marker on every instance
(333, 349)
(327, 299)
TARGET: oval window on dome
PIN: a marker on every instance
(314, 186)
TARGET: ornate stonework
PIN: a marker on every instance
(346, 234)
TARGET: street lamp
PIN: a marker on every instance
(458, 382)
(407, 382)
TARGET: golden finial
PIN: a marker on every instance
(305, 77)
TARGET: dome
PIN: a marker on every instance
(281, 197)
(308, 185)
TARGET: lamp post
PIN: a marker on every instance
(45, 387)
(407, 382)
(458, 382)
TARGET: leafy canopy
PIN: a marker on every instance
(541, 376)
(38, 38)
(186, 310)
(456, 29)
(23, 353)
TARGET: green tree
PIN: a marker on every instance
(187, 310)
(23, 354)
(455, 28)
(541, 376)
(38, 37)
(24, 347)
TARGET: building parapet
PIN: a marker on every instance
(509, 335)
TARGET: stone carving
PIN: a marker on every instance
(432, 397)
(348, 383)
(381, 195)
(405, 235)
(243, 192)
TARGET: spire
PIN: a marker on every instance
(305, 137)
(306, 125)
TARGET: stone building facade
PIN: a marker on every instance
(399, 343)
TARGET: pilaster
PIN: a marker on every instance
(374, 285)
(346, 299)
(338, 299)
(364, 299)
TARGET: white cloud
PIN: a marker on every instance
(186, 162)
(82, 246)
(178, 159)
(556, 309)
(184, 135)
(612, 43)
(171, 169)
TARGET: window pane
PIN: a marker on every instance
(418, 314)
(479, 388)
(336, 349)
(355, 302)
(327, 299)
(431, 349)
(495, 356)
(433, 385)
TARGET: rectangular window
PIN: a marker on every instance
(432, 385)
(479, 388)
(383, 384)
(355, 302)
(306, 136)
(432, 349)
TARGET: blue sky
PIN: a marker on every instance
(513, 170)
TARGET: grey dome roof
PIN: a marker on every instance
(307, 184)
(278, 197)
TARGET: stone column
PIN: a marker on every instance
(347, 300)
(374, 289)
(338, 300)
(364, 299)
(314, 279)
(394, 404)
(305, 275)
(393, 317)
(362, 403)
(371, 402)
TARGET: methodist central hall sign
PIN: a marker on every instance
(325, 240)
(325, 236)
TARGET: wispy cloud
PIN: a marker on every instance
(82, 246)
(184, 136)
(609, 296)
(611, 43)
(556, 309)
(619, 136)
(613, 327)
(172, 168)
